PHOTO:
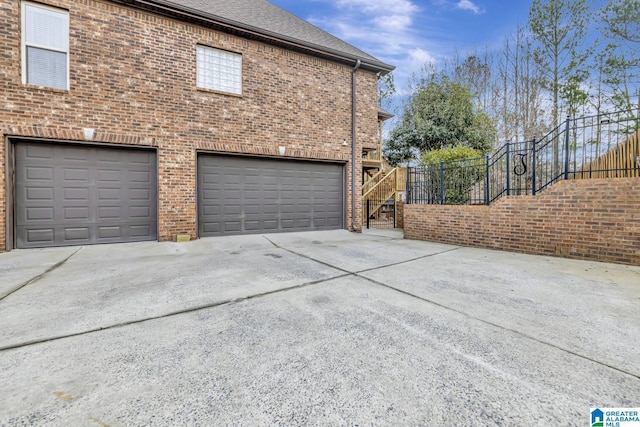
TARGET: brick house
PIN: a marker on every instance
(138, 120)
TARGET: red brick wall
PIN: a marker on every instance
(399, 214)
(132, 79)
(588, 219)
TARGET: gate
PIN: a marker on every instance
(380, 213)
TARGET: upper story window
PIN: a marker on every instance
(219, 70)
(45, 46)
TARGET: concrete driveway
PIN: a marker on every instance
(321, 328)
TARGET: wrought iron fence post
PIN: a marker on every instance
(508, 169)
(566, 150)
(395, 211)
(487, 193)
(533, 167)
(368, 202)
(442, 182)
(408, 185)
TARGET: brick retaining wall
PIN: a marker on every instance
(399, 214)
(586, 219)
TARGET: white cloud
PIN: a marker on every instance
(396, 23)
(385, 29)
(397, 32)
(380, 6)
(470, 6)
(419, 57)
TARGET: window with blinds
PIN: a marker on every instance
(219, 70)
(45, 46)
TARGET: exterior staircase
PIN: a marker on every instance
(382, 190)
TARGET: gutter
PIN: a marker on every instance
(169, 8)
(353, 145)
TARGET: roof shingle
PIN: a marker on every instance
(270, 20)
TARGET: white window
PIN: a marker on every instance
(45, 46)
(219, 70)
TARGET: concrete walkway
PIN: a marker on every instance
(320, 328)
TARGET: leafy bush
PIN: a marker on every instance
(463, 168)
(459, 152)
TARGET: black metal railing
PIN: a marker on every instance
(453, 183)
(601, 146)
(379, 213)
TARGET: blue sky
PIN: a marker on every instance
(408, 33)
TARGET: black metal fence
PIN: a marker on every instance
(601, 146)
(379, 213)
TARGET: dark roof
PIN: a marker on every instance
(384, 114)
(265, 20)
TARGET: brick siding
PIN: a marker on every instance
(132, 79)
(586, 219)
(399, 214)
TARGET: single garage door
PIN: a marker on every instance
(244, 195)
(75, 195)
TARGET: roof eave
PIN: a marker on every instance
(170, 9)
(384, 114)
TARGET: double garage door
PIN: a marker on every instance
(244, 195)
(68, 194)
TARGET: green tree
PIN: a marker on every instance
(572, 93)
(622, 20)
(560, 28)
(386, 90)
(440, 113)
(621, 25)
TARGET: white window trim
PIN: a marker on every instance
(23, 42)
(226, 92)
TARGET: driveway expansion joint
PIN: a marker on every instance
(504, 328)
(41, 275)
(355, 273)
(170, 314)
(358, 274)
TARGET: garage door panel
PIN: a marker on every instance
(39, 151)
(76, 234)
(105, 194)
(211, 228)
(303, 223)
(144, 230)
(231, 226)
(110, 232)
(71, 195)
(109, 212)
(108, 176)
(252, 225)
(211, 210)
(142, 194)
(36, 214)
(38, 193)
(39, 173)
(139, 212)
(75, 213)
(267, 195)
(139, 176)
(270, 209)
(42, 235)
(253, 210)
(288, 224)
(75, 194)
(76, 174)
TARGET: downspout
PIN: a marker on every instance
(353, 146)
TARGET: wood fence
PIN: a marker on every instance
(622, 161)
